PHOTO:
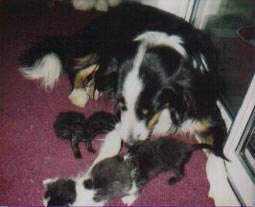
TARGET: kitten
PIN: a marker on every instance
(75, 127)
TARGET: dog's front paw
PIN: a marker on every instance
(101, 5)
(91, 91)
(83, 5)
(79, 97)
(129, 199)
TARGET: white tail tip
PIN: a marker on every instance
(48, 70)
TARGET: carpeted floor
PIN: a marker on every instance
(29, 150)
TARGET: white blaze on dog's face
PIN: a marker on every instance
(131, 128)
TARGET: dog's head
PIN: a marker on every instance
(159, 76)
(141, 78)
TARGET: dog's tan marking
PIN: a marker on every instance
(209, 140)
(153, 121)
(84, 62)
(202, 130)
(90, 89)
(203, 125)
(204, 134)
(83, 74)
(80, 95)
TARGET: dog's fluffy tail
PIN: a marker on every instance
(45, 60)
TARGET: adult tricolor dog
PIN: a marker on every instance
(161, 70)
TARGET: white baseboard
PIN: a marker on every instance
(220, 190)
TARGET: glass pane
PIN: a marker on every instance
(246, 149)
(233, 34)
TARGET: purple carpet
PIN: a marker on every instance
(29, 150)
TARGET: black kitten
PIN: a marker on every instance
(76, 128)
(151, 157)
(100, 123)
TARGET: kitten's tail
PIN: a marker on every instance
(201, 146)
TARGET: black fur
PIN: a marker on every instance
(60, 193)
(71, 126)
(99, 123)
(149, 158)
(115, 45)
(76, 128)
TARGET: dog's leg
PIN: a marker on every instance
(214, 136)
(213, 133)
(90, 89)
(211, 130)
(75, 148)
(79, 95)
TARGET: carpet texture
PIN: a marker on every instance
(29, 150)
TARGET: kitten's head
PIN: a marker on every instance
(59, 192)
(70, 192)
